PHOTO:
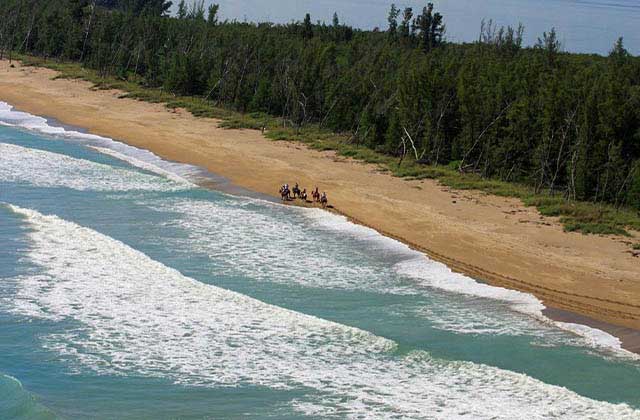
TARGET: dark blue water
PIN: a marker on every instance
(125, 294)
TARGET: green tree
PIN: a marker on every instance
(618, 54)
(212, 14)
(431, 28)
(405, 26)
(564, 123)
(182, 10)
(307, 27)
(394, 12)
(550, 44)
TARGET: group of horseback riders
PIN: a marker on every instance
(291, 194)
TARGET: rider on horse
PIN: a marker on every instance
(323, 200)
(285, 194)
(296, 191)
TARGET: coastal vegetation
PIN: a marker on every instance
(560, 131)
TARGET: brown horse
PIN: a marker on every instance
(324, 200)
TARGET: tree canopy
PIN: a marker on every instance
(566, 123)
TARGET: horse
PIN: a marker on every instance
(324, 200)
(296, 191)
(316, 195)
(284, 193)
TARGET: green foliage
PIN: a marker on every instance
(307, 27)
(137, 7)
(212, 14)
(560, 131)
(586, 217)
(431, 28)
(394, 12)
(593, 228)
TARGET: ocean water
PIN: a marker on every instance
(586, 26)
(128, 292)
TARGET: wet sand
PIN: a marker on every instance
(493, 239)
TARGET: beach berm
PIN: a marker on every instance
(493, 239)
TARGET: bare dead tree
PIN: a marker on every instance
(326, 116)
(563, 139)
(3, 36)
(443, 112)
(461, 167)
(403, 142)
(249, 54)
(363, 113)
(16, 14)
(574, 163)
(25, 42)
(88, 30)
(544, 163)
(225, 71)
(413, 145)
(607, 171)
(303, 107)
(630, 174)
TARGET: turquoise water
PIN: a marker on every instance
(128, 292)
(589, 26)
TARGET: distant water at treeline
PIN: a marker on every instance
(589, 26)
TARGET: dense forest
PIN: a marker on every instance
(560, 122)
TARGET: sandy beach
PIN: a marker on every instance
(493, 239)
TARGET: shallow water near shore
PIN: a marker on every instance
(127, 291)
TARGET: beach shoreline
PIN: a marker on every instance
(491, 239)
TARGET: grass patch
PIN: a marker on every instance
(587, 217)
(592, 228)
(584, 217)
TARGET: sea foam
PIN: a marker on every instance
(48, 169)
(267, 242)
(10, 117)
(137, 316)
(281, 246)
(145, 165)
(145, 159)
(428, 272)
(433, 274)
(270, 243)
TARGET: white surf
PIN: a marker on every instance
(137, 316)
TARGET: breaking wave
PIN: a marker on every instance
(47, 169)
(138, 316)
